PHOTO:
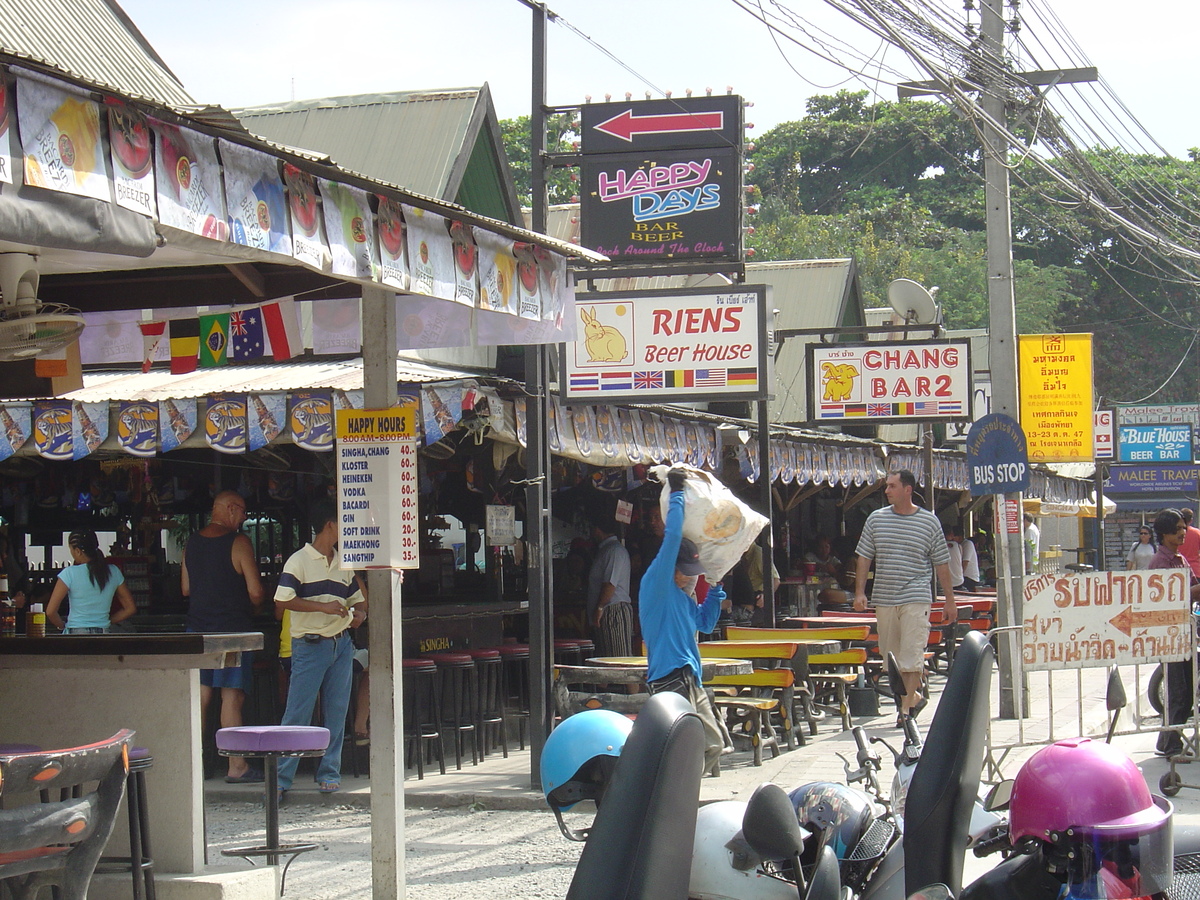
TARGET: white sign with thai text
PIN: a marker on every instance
(1106, 618)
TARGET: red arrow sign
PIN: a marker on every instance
(1127, 620)
(625, 125)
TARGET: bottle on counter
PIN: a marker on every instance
(35, 626)
(8, 611)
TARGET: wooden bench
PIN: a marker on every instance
(827, 671)
(767, 691)
(775, 655)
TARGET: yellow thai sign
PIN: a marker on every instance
(1056, 396)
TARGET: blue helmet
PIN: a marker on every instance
(580, 755)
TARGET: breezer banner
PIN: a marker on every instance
(897, 381)
(669, 345)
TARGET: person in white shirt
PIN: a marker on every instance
(1033, 538)
(956, 561)
(970, 559)
(1143, 551)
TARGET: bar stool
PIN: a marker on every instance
(422, 712)
(272, 743)
(587, 649)
(567, 653)
(457, 693)
(515, 666)
(489, 696)
(139, 863)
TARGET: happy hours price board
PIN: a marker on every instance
(1106, 618)
(377, 488)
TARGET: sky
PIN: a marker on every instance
(237, 53)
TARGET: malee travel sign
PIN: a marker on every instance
(890, 381)
(1056, 396)
(377, 488)
(657, 346)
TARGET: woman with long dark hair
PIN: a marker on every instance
(91, 583)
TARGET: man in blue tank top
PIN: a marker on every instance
(220, 578)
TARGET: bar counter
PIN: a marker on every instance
(64, 691)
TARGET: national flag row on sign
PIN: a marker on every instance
(919, 408)
(640, 380)
(218, 338)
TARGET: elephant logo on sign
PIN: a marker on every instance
(838, 380)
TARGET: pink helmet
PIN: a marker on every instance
(1089, 806)
(1080, 783)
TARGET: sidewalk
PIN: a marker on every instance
(499, 783)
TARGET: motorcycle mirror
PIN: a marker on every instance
(1114, 694)
(999, 797)
(933, 892)
(770, 825)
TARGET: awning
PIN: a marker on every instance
(1077, 510)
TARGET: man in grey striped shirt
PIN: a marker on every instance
(907, 545)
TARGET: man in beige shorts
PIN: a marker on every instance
(907, 545)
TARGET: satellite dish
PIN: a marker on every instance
(912, 302)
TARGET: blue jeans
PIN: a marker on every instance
(82, 630)
(319, 667)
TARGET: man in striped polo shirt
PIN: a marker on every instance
(325, 603)
(907, 545)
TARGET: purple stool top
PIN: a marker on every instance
(273, 739)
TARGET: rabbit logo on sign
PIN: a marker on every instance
(604, 343)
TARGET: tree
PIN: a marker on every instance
(560, 138)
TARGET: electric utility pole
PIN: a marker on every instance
(1002, 324)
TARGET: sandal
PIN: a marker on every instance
(328, 787)
(361, 739)
(250, 776)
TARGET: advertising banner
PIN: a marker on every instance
(5, 131)
(266, 415)
(89, 427)
(257, 206)
(132, 155)
(430, 255)
(1155, 443)
(188, 182)
(890, 381)
(348, 225)
(311, 420)
(676, 205)
(15, 419)
(1162, 413)
(393, 267)
(1056, 396)
(137, 427)
(1153, 480)
(177, 421)
(662, 346)
(1106, 618)
(377, 488)
(60, 137)
(52, 429)
(308, 229)
(225, 423)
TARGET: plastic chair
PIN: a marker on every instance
(59, 843)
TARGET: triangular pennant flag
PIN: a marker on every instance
(185, 345)
(152, 335)
(214, 339)
(279, 317)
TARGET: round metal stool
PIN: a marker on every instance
(457, 691)
(272, 743)
(490, 720)
(515, 661)
(422, 712)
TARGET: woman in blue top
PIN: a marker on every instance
(670, 618)
(90, 584)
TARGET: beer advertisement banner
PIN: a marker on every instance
(311, 420)
(669, 345)
(494, 329)
(177, 422)
(5, 132)
(267, 414)
(497, 273)
(254, 192)
(137, 427)
(308, 237)
(430, 254)
(114, 338)
(132, 154)
(52, 430)
(890, 381)
(60, 136)
(441, 410)
(423, 323)
(350, 230)
(336, 326)
(188, 182)
(393, 267)
(225, 423)
(89, 427)
(462, 240)
(1056, 396)
(15, 419)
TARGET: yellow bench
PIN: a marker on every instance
(751, 712)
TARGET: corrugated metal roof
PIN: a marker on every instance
(89, 39)
(416, 139)
(160, 384)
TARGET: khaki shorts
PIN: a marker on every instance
(904, 631)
